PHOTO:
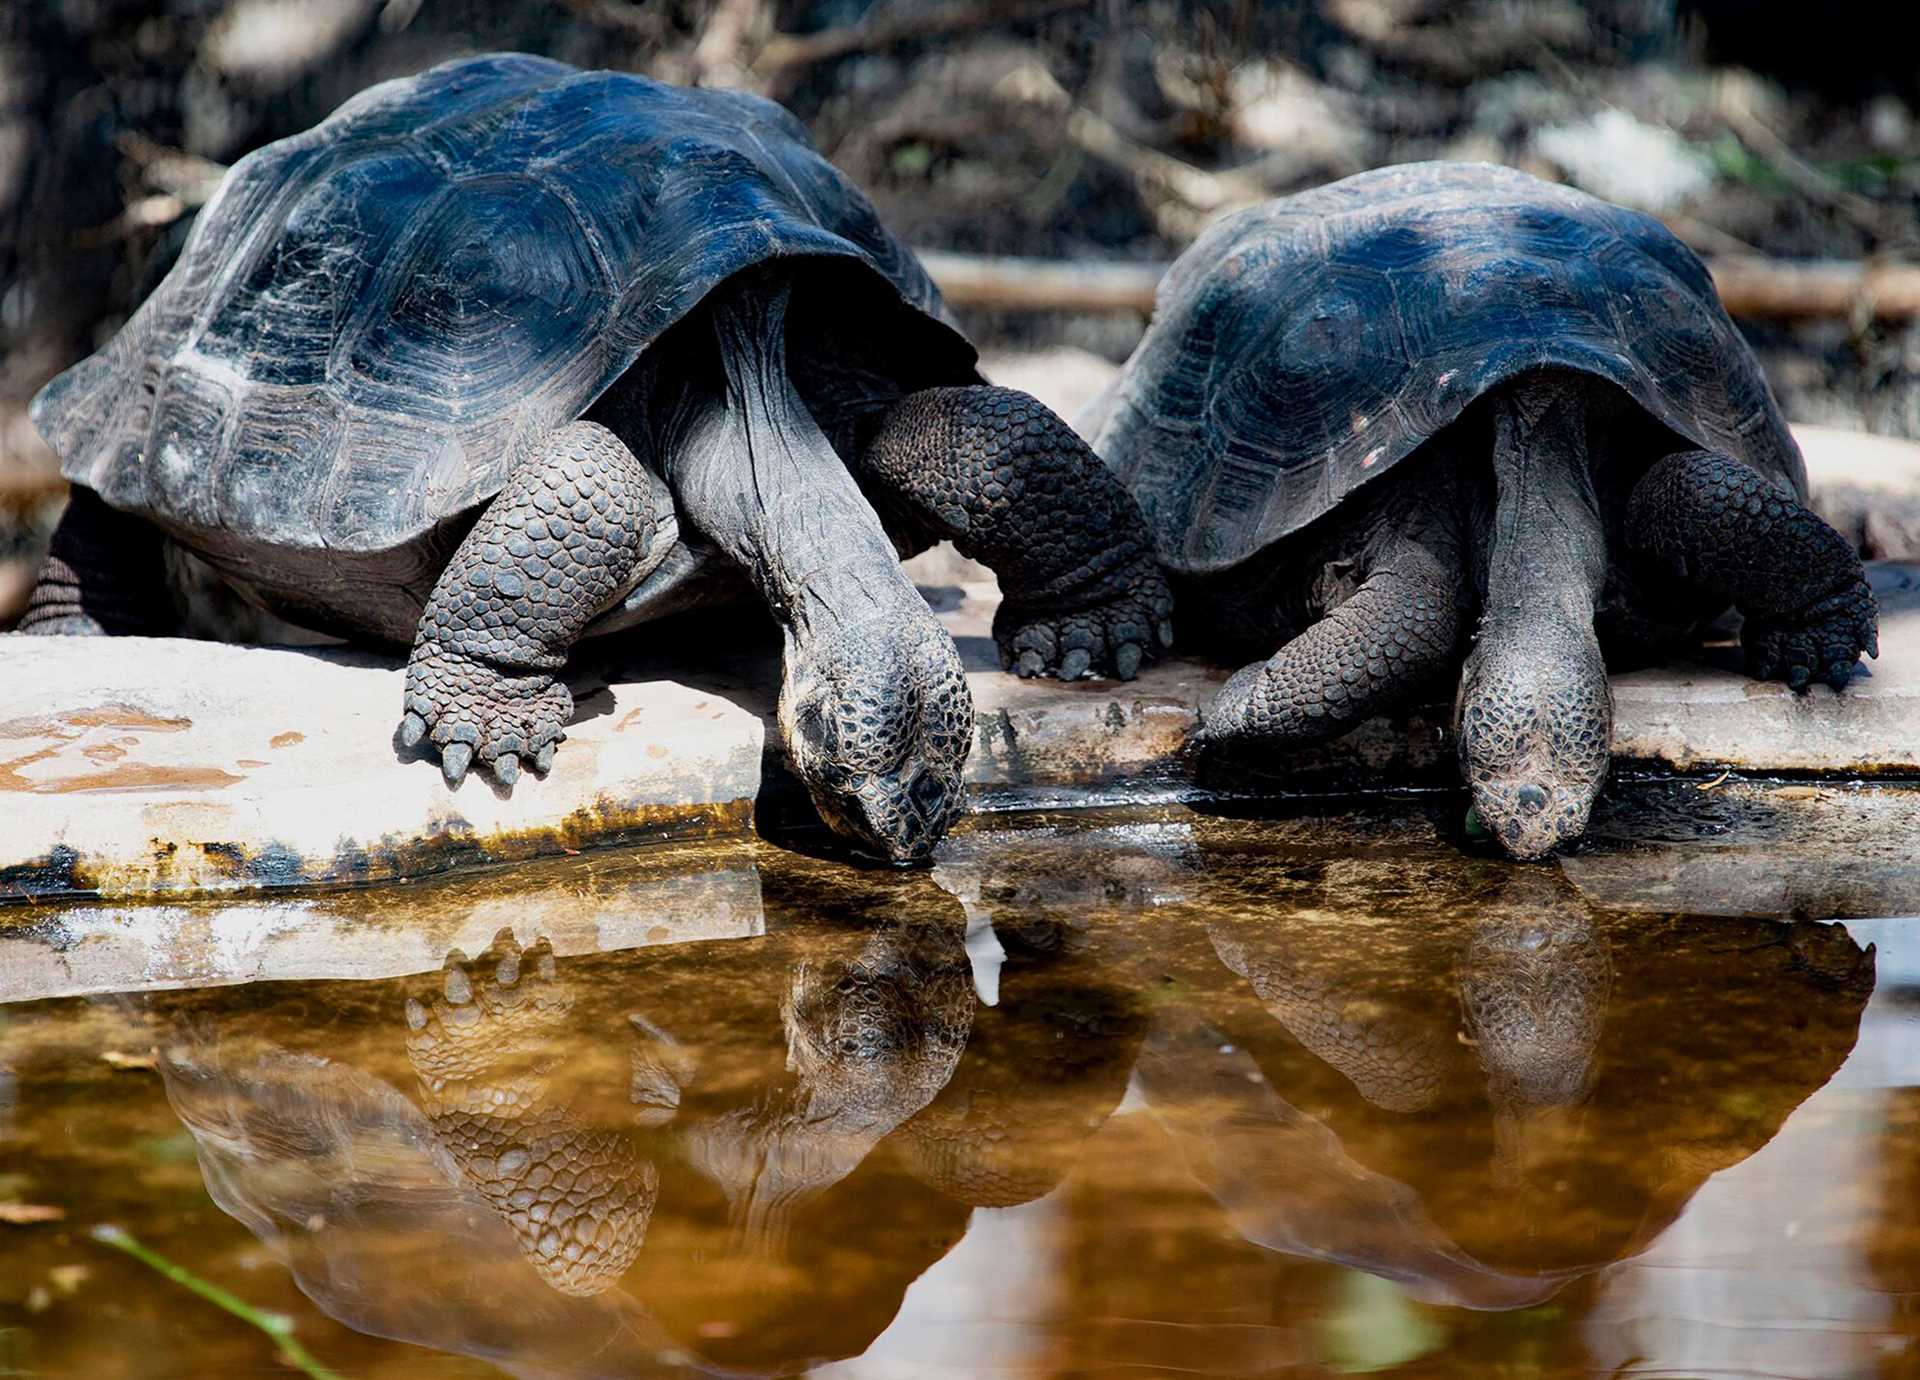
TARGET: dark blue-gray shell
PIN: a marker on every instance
(1302, 347)
(370, 317)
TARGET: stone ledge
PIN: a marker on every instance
(1699, 847)
(137, 766)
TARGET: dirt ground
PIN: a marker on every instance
(1076, 129)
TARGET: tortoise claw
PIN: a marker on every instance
(412, 729)
(456, 984)
(454, 761)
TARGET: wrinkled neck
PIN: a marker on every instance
(758, 478)
(1546, 552)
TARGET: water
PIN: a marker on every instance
(1159, 1092)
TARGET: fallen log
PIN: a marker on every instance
(1788, 289)
(1010, 284)
(1749, 285)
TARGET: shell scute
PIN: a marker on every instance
(279, 316)
(488, 298)
(279, 420)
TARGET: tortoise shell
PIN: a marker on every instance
(372, 317)
(1301, 348)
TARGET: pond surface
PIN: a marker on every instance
(1158, 1092)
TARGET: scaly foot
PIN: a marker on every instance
(472, 709)
(487, 1051)
(1821, 642)
(1109, 638)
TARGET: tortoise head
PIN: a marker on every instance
(1535, 731)
(878, 721)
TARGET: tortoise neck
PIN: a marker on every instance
(759, 479)
(1546, 552)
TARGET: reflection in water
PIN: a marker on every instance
(870, 1038)
(575, 1192)
(1042, 1073)
(1514, 1132)
(1215, 1073)
(1534, 981)
(348, 1183)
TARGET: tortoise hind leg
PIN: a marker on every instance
(1720, 529)
(579, 523)
(1397, 632)
(104, 575)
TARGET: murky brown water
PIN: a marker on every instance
(1149, 1093)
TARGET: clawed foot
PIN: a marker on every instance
(1821, 642)
(1107, 639)
(659, 1066)
(471, 709)
(492, 1033)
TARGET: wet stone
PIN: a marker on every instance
(137, 766)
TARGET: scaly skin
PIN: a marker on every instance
(571, 532)
(103, 576)
(488, 1052)
(996, 472)
(1536, 710)
(1400, 628)
(1388, 627)
(1720, 528)
(874, 707)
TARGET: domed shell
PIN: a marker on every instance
(1302, 347)
(371, 317)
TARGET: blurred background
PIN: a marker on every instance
(1772, 138)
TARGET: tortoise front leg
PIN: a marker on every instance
(997, 473)
(104, 574)
(577, 526)
(1722, 531)
(1398, 631)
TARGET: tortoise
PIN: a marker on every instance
(506, 354)
(1449, 408)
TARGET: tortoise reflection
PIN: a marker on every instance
(740, 1154)
(1447, 1104)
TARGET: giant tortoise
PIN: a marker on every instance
(1446, 407)
(506, 354)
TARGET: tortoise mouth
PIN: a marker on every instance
(1530, 820)
(875, 858)
(897, 838)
